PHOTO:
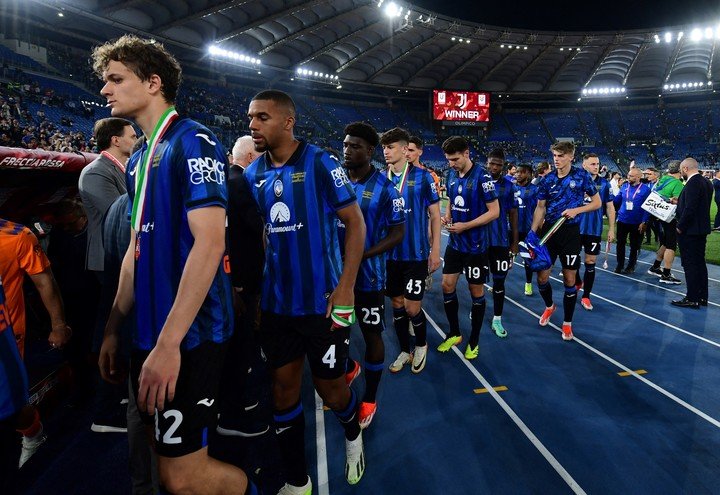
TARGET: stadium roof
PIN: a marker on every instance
(359, 43)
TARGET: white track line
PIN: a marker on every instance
(650, 284)
(647, 382)
(656, 320)
(323, 486)
(516, 419)
(679, 270)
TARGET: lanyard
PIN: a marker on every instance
(143, 174)
(115, 161)
(627, 192)
(403, 177)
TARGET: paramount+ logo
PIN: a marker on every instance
(205, 170)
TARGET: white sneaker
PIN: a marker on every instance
(30, 446)
(306, 489)
(354, 459)
(403, 359)
(419, 359)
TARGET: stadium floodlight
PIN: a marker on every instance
(452, 39)
(467, 41)
(666, 87)
(622, 89)
(393, 10)
(680, 35)
(696, 34)
(562, 49)
(656, 38)
(668, 37)
(524, 48)
(684, 85)
(709, 83)
(709, 34)
(502, 46)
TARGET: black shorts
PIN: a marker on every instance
(370, 310)
(668, 234)
(474, 266)
(522, 236)
(500, 260)
(287, 338)
(592, 244)
(406, 278)
(182, 427)
(565, 243)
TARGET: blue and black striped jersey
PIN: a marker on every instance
(188, 172)
(418, 193)
(568, 192)
(526, 198)
(13, 380)
(500, 227)
(298, 202)
(381, 208)
(591, 222)
(467, 199)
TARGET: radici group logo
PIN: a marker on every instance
(205, 170)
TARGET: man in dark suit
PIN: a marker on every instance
(693, 227)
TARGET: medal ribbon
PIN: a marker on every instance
(117, 163)
(142, 176)
(342, 316)
(403, 177)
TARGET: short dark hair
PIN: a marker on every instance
(455, 144)
(364, 131)
(497, 153)
(138, 144)
(563, 147)
(145, 57)
(416, 141)
(395, 135)
(106, 129)
(277, 96)
(542, 166)
(526, 166)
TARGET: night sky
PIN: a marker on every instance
(608, 15)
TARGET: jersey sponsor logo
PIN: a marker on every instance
(280, 213)
(206, 402)
(206, 138)
(260, 183)
(433, 188)
(459, 201)
(133, 170)
(339, 176)
(206, 169)
(278, 188)
(298, 177)
(398, 204)
(339, 223)
(368, 194)
(488, 186)
(148, 227)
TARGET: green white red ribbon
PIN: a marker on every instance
(403, 177)
(342, 316)
(142, 175)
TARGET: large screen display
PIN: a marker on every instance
(462, 106)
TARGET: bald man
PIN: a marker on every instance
(243, 152)
(693, 227)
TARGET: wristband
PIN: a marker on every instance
(342, 316)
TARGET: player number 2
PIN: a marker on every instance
(414, 286)
(571, 259)
(373, 313)
(168, 437)
(329, 357)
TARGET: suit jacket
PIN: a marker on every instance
(693, 211)
(244, 235)
(100, 184)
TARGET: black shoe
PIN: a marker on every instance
(629, 270)
(685, 303)
(618, 269)
(655, 271)
(669, 279)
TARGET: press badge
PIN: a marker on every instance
(629, 205)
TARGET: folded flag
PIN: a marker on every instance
(534, 251)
